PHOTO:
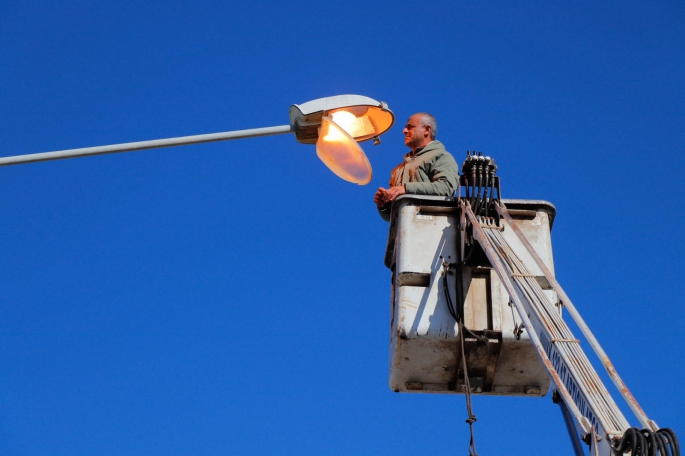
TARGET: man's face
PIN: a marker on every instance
(415, 133)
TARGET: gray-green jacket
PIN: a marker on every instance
(431, 171)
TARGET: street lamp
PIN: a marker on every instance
(335, 124)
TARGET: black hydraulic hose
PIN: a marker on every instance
(448, 298)
(458, 305)
(662, 444)
(491, 193)
(468, 255)
(473, 181)
(645, 442)
(650, 440)
(628, 443)
(643, 448)
(484, 185)
(634, 441)
(672, 440)
(484, 189)
(481, 197)
(456, 308)
(475, 198)
(479, 184)
(481, 181)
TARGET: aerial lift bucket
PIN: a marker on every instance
(425, 353)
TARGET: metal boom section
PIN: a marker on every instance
(486, 221)
(574, 377)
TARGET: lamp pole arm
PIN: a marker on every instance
(142, 145)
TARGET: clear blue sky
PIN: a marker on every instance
(231, 298)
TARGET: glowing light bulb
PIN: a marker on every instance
(345, 120)
(341, 153)
(358, 125)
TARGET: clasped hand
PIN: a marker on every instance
(384, 197)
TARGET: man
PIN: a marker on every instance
(427, 170)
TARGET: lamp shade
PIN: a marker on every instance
(341, 153)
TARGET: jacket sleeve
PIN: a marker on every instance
(384, 212)
(444, 179)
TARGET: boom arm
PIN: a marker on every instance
(518, 266)
(582, 394)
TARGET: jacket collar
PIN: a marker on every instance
(435, 144)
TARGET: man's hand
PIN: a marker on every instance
(383, 196)
(393, 192)
(379, 197)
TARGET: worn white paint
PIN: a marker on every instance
(424, 342)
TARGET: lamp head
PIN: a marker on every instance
(361, 117)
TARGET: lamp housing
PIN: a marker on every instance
(371, 118)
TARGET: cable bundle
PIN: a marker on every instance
(647, 443)
(481, 186)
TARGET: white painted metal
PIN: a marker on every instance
(142, 145)
(547, 271)
(424, 339)
(298, 112)
(575, 378)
